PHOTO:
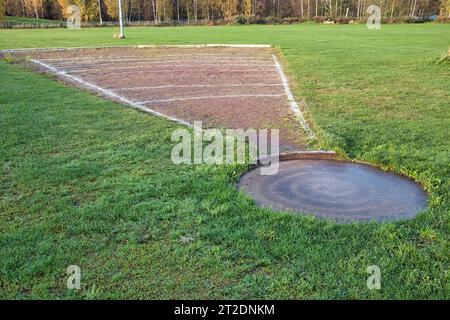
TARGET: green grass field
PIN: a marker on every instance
(89, 182)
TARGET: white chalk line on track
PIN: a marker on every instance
(96, 68)
(157, 58)
(168, 71)
(211, 97)
(238, 85)
(177, 71)
(178, 63)
(292, 102)
(145, 63)
(108, 93)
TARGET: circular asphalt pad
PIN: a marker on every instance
(341, 191)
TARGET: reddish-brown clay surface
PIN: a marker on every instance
(236, 88)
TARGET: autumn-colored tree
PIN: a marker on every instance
(64, 4)
(164, 10)
(445, 8)
(230, 8)
(35, 7)
(112, 7)
(89, 8)
(167, 10)
(248, 7)
(2, 9)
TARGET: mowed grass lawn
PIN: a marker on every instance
(89, 182)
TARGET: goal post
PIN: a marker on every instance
(122, 34)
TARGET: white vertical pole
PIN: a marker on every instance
(121, 35)
(100, 11)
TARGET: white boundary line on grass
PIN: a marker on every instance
(292, 102)
(109, 93)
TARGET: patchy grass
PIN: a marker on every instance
(88, 182)
(445, 58)
(8, 58)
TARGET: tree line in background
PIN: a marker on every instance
(240, 11)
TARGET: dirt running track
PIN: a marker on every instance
(225, 87)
